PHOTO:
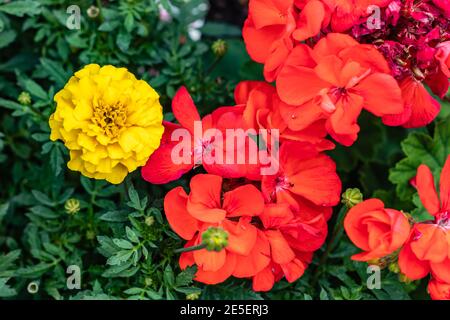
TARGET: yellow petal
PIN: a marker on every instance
(118, 174)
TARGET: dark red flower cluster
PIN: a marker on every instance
(414, 38)
(412, 35)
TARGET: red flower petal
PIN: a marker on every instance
(257, 259)
(179, 219)
(427, 190)
(444, 186)
(245, 200)
(184, 109)
(204, 199)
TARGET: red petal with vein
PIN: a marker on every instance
(184, 109)
(161, 169)
(179, 219)
(427, 190)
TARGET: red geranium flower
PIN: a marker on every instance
(205, 206)
(428, 248)
(377, 230)
(267, 33)
(439, 290)
(205, 145)
(341, 77)
(263, 110)
(306, 179)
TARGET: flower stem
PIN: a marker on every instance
(189, 249)
(337, 233)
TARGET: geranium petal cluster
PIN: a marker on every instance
(110, 121)
(412, 36)
(423, 248)
(266, 241)
(274, 220)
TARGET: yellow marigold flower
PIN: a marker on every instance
(110, 121)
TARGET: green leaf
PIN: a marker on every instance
(8, 104)
(42, 198)
(55, 71)
(131, 235)
(323, 294)
(44, 212)
(115, 216)
(123, 41)
(6, 290)
(420, 148)
(35, 271)
(169, 277)
(185, 277)
(21, 8)
(3, 210)
(123, 244)
(7, 37)
(32, 87)
(120, 257)
(129, 22)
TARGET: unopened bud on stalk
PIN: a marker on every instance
(72, 206)
(24, 98)
(215, 239)
(148, 281)
(219, 48)
(351, 197)
(149, 221)
(393, 267)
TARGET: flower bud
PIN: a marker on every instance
(93, 12)
(193, 296)
(351, 197)
(24, 98)
(72, 206)
(215, 239)
(148, 281)
(149, 221)
(90, 235)
(33, 287)
(219, 48)
(393, 267)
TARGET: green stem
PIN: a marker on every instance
(213, 65)
(331, 244)
(189, 249)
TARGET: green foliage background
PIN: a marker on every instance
(119, 238)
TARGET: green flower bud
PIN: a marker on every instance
(90, 235)
(193, 296)
(33, 287)
(351, 197)
(215, 239)
(24, 98)
(72, 206)
(93, 12)
(393, 267)
(148, 282)
(149, 221)
(219, 48)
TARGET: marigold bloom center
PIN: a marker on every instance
(110, 118)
